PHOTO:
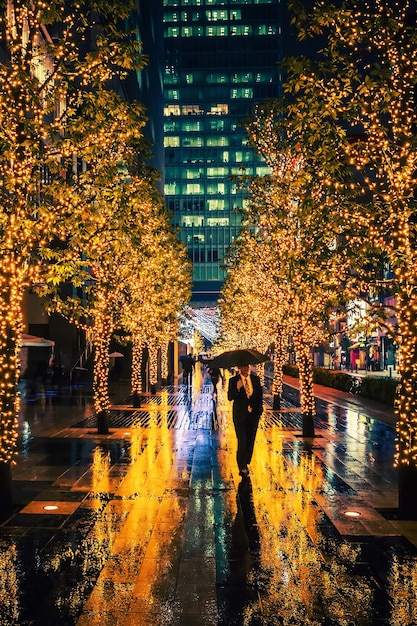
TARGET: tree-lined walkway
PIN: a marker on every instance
(154, 525)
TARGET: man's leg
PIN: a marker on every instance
(251, 429)
(240, 429)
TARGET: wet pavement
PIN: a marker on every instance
(154, 526)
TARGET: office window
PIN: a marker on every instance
(242, 92)
(172, 109)
(170, 126)
(198, 256)
(265, 29)
(216, 204)
(217, 221)
(217, 171)
(192, 174)
(192, 142)
(192, 221)
(241, 30)
(214, 16)
(192, 109)
(219, 109)
(172, 142)
(169, 188)
(262, 171)
(194, 188)
(172, 31)
(190, 126)
(218, 141)
(217, 31)
(215, 79)
(171, 17)
(212, 256)
(218, 125)
(172, 94)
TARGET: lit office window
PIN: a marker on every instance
(270, 29)
(189, 78)
(192, 220)
(170, 17)
(216, 79)
(194, 188)
(172, 109)
(241, 30)
(169, 189)
(218, 125)
(171, 3)
(217, 221)
(216, 204)
(173, 94)
(198, 238)
(192, 142)
(219, 109)
(262, 171)
(244, 92)
(192, 109)
(192, 174)
(170, 126)
(218, 141)
(217, 171)
(217, 31)
(191, 126)
(246, 77)
(214, 16)
(173, 31)
(172, 142)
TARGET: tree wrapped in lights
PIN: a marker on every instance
(292, 241)
(40, 81)
(364, 89)
(158, 292)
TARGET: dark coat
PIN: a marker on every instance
(240, 399)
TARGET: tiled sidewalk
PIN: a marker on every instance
(155, 527)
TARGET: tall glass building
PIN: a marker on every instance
(220, 58)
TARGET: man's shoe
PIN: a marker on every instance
(244, 472)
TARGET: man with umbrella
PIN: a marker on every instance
(245, 390)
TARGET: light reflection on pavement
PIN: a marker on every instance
(165, 532)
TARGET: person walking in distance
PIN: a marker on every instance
(215, 375)
(245, 390)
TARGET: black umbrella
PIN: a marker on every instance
(238, 357)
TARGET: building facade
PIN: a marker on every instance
(221, 57)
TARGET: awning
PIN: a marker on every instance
(31, 341)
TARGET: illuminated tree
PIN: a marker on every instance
(40, 80)
(364, 89)
(293, 242)
(158, 292)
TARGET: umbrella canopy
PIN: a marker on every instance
(115, 355)
(238, 357)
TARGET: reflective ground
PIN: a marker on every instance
(155, 527)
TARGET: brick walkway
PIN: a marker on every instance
(155, 527)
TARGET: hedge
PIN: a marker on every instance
(381, 389)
